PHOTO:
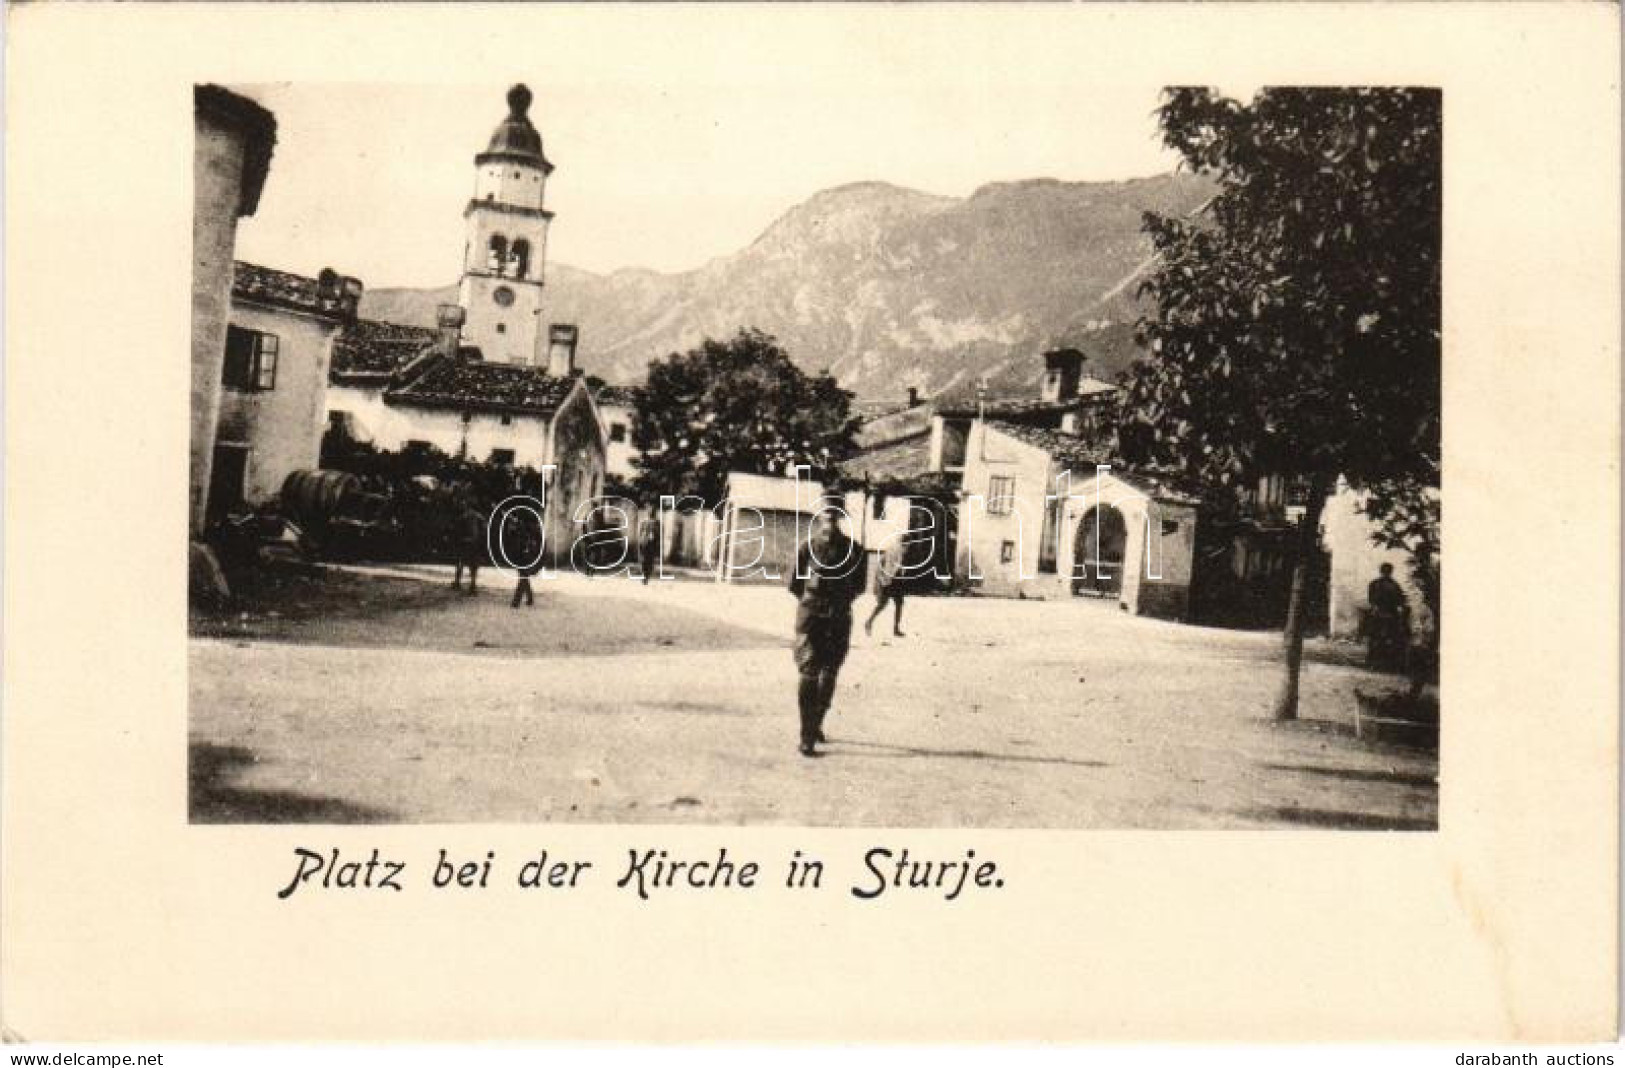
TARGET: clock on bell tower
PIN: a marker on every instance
(506, 224)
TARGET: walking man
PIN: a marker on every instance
(522, 537)
(468, 540)
(828, 576)
(649, 546)
(891, 584)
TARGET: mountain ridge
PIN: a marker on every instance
(885, 287)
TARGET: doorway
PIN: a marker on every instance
(1097, 553)
(227, 480)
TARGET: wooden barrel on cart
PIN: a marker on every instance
(314, 498)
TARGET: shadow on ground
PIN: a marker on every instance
(1424, 782)
(1328, 819)
(213, 799)
(881, 749)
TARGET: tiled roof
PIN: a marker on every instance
(620, 396)
(250, 281)
(478, 385)
(1093, 390)
(900, 460)
(895, 426)
(369, 347)
(1082, 455)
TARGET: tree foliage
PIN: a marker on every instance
(738, 405)
(1296, 321)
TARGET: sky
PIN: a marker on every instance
(664, 169)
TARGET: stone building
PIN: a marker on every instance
(1041, 519)
(273, 378)
(1068, 400)
(1034, 516)
(231, 157)
(615, 409)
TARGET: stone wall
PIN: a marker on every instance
(217, 181)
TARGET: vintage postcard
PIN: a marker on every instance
(945, 508)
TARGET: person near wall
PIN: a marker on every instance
(829, 574)
(1387, 620)
(648, 546)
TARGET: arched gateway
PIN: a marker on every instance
(1098, 553)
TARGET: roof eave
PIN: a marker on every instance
(523, 158)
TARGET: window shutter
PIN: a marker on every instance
(265, 365)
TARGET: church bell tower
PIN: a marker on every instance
(506, 225)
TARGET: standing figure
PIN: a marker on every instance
(891, 584)
(468, 541)
(648, 546)
(1388, 624)
(522, 539)
(828, 576)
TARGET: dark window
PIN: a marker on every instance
(507, 420)
(496, 253)
(617, 432)
(519, 259)
(1007, 552)
(1001, 492)
(250, 360)
(502, 456)
(502, 328)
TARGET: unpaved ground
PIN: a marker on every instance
(611, 702)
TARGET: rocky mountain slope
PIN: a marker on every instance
(886, 287)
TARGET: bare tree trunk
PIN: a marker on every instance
(1286, 705)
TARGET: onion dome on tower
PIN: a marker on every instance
(515, 140)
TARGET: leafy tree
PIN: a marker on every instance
(739, 405)
(1296, 321)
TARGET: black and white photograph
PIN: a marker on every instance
(678, 456)
(555, 529)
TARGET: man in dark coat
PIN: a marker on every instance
(522, 540)
(829, 575)
(649, 547)
(1388, 625)
(468, 540)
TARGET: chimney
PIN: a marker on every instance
(334, 289)
(449, 328)
(350, 299)
(561, 349)
(913, 397)
(1063, 374)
